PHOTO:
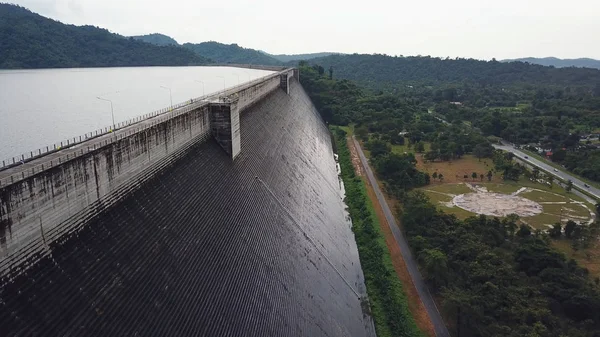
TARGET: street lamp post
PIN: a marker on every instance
(170, 95)
(111, 110)
(202, 86)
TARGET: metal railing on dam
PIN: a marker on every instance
(209, 246)
(55, 193)
(71, 142)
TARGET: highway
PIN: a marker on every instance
(578, 184)
(436, 319)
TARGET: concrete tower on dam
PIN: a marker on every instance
(223, 217)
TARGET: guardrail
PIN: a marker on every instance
(27, 157)
(118, 133)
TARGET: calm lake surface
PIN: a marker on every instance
(41, 107)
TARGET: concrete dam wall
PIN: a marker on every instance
(56, 194)
(210, 246)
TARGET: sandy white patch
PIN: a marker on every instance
(497, 204)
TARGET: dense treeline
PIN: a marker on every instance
(231, 53)
(494, 277)
(382, 70)
(386, 116)
(157, 39)
(387, 301)
(28, 40)
(499, 280)
(519, 102)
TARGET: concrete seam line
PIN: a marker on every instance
(307, 236)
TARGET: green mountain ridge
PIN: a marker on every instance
(230, 53)
(297, 57)
(29, 40)
(382, 71)
(157, 39)
(559, 63)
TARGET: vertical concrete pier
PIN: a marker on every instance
(225, 126)
(285, 82)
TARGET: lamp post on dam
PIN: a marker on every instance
(111, 110)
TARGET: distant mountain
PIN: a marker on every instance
(157, 39)
(296, 57)
(560, 63)
(28, 40)
(231, 53)
(382, 71)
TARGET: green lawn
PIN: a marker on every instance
(540, 196)
(501, 188)
(450, 188)
(400, 149)
(541, 221)
(437, 197)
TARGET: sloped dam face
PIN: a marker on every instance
(259, 246)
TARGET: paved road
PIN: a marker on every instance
(432, 310)
(549, 169)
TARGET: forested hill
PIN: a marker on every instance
(231, 53)
(157, 39)
(380, 71)
(28, 40)
(297, 57)
(560, 63)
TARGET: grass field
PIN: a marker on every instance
(556, 207)
(588, 258)
(454, 171)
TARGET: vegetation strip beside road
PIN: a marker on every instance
(415, 305)
(388, 304)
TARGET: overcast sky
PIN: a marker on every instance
(480, 29)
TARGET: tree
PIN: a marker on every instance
(524, 231)
(489, 175)
(435, 264)
(362, 132)
(481, 176)
(465, 177)
(598, 208)
(556, 231)
(378, 147)
(570, 228)
(431, 156)
(331, 72)
(396, 138)
(434, 175)
(441, 177)
(420, 147)
(535, 173)
(474, 175)
(551, 180)
(483, 150)
(321, 70)
(569, 186)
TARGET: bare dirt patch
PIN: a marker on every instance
(497, 204)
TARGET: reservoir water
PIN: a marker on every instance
(41, 107)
